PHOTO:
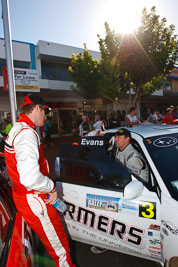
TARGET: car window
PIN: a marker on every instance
(112, 150)
(90, 165)
(145, 171)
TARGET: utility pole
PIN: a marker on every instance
(9, 59)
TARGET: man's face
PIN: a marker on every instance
(39, 115)
(121, 141)
(97, 118)
(9, 118)
(133, 113)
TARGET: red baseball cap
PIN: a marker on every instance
(35, 99)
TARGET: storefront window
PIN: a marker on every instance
(55, 71)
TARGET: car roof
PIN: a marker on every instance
(149, 130)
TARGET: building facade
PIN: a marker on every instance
(51, 62)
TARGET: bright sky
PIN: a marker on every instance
(75, 22)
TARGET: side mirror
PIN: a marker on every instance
(133, 190)
(57, 167)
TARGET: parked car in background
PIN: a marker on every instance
(111, 207)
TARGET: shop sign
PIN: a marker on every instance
(26, 80)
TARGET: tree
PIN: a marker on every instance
(85, 73)
(144, 58)
(114, 82)
(136, 62)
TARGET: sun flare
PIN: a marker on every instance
(123, 16)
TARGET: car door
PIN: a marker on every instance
(92, 183)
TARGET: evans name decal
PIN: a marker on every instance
(88, 142)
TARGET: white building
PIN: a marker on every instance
(51, 62)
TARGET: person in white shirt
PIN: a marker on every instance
(98, 123)
(131, 119)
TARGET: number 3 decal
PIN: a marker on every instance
(147, 210)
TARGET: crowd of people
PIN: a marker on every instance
(85, 125)
(44, 132)
(149, 117)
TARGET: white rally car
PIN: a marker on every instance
(111, 207)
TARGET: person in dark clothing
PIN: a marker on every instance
(113, 121)
(84, 127)
(47, 129)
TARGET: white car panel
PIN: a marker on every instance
(145, 222)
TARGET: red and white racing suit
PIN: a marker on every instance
(28, 171)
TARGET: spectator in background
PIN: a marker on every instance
(6, 125)
(131, 119)
(47, 129)
(156, 118)
(146, 119)
(175, 113)
(172, 107)
(150, 115)
(168, 117)
(84, 127)
(122, 118)
(98, 123)
(113, 121)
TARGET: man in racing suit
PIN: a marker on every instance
(129, 156)
(28, 171)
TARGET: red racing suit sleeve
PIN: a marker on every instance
(26, 146)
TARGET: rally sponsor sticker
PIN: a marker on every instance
(173, 229)
(154, 242)
(154, 227)
(127, 205)
(102, 202)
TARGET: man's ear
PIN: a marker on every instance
(37, 107)
(128, 138)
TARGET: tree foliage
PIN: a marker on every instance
(145, 57)
(85, 73)
(139, 61)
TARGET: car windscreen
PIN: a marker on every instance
(164, 153)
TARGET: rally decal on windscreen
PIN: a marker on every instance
(165, 141)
